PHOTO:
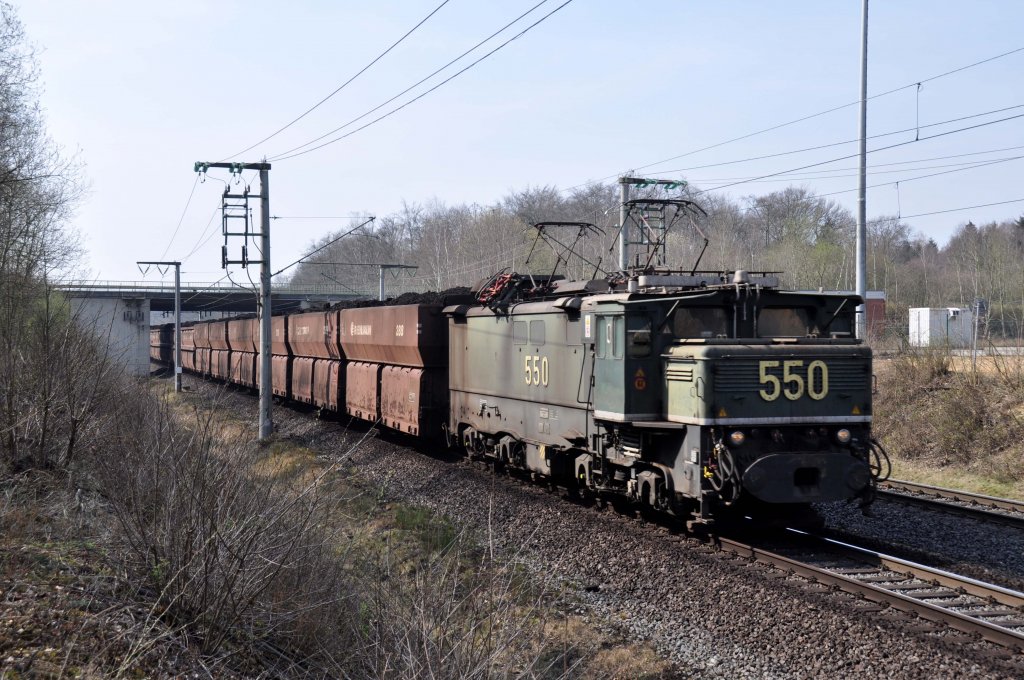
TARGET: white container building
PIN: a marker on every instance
(941, 327)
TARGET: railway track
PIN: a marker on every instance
(1003, 511)
(994, 613)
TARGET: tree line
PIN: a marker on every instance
(807, 237)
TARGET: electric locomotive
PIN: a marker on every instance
(693, 393)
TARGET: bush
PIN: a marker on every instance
(940, 408)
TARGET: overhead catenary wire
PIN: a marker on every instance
(966, 207)
(200, 242)
(915, 84)
(842, 143)
(417, 83)
(343, 85)
(884, 165)
(318, 217)
(288, 154)
(822, 176)
(324, 246)
(932, 174)
(181, 219)
(848, 156)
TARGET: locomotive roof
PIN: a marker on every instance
(590, 300)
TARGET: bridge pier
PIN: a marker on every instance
(121, 325)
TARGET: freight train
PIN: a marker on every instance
(698, 394)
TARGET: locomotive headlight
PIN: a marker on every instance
(843, 436)
(736, 438)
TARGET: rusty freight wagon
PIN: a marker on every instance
(242, 338)
(397, 366)
(316, 365)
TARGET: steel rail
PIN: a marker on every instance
(958, 620)
(982, 507)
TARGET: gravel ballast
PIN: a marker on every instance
(982, 550)
(714, 616)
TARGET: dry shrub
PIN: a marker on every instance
(237, 556)
(456, 616)
(933, 406)
(248, 549)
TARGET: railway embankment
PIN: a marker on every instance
(179, 547)
(710, 613)
(950, 421)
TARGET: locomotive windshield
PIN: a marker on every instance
(700, 322)
(769, 321)
(784, 322)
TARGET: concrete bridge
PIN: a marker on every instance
(118, 312)
(220, 296)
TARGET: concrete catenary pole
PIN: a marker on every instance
(380, 296)
(266, 384)
(177, 327)
(862, 209)
(623, 227)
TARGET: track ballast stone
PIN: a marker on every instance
(714, 616)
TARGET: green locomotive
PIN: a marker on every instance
(686, 392)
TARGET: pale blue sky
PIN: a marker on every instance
(142, 90)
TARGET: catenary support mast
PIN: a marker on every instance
(862, 209)
(177, 317)
(266, 423)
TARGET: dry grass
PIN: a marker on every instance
(946, 423)
(430, 601)
(580, 651)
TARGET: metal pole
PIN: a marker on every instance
(177, 327)
(266, 423)
(862, 210)
(381, 295)
(177, 314)
(623, 227)
(974, 337)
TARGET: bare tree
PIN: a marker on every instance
(38, 189)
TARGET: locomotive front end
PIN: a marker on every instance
(780, 421)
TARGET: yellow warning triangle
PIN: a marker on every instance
(722, 413)
(856, 410)
(639, 373)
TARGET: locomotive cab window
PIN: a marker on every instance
(617, 336)
(610, 337)
(638, 336)
(700, 322)
(784, 322)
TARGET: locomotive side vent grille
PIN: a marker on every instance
(679, 373)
